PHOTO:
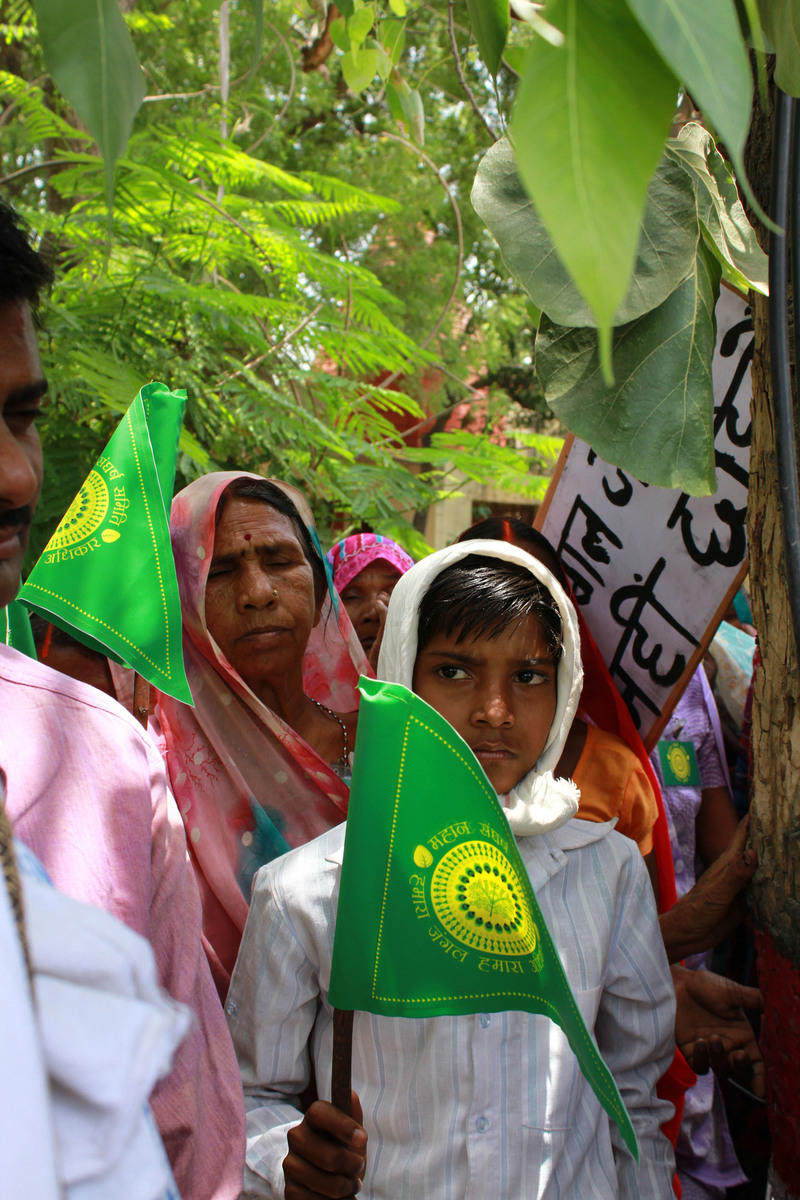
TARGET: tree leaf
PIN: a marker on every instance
(410, 106)
(667, 241)
(703, 45)
(393, 37)
(394, 90)
(656, 421)
(417, 113)
(531, 14)
(514, 57)
(359, 67)
(360, 24)
(490, 21)
(338, 34)
(781, 22)
(89, 53)
(588, 128)
(729, 234)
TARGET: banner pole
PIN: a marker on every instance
(341, 1082)
(141, 699)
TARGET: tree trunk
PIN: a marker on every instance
(775, 821)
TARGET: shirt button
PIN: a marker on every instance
(679, 864)
(486, 1020)
(232, 1008)
(482, 1124)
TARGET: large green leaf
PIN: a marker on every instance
(703, 45)
(656, 421)
(359, 68)
(588, 128)
(89, 53)
(781, 21)
(667, 241)
(490, 21)
(728, 233)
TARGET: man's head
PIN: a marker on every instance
(23, 275)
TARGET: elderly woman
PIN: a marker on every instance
(366, 567)
(262, 763)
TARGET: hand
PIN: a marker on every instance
(712, 1031)
(327, 1154)
(714, 906)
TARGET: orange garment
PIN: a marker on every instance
(613, 783)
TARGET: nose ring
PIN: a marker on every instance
(275, 591)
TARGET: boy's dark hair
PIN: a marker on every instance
(268, 493)
(481, 597)
(24, 274)
(512, 529)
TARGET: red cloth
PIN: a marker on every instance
(602, 705)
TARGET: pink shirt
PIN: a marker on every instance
(86, 791)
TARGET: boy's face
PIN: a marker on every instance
(499, 694)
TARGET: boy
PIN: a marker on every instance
(491, 1105)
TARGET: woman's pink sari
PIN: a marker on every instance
(248, 787)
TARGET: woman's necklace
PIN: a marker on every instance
(344, 761)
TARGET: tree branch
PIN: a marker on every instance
(395, 137)
(460, 73)
(288, 100)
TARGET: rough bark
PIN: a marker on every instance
(775, 821)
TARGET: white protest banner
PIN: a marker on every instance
(654, 570)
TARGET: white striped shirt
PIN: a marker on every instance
(484, 1107)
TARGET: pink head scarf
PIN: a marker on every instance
(248, 787)
(353, 554)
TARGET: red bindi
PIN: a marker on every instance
(247, 537)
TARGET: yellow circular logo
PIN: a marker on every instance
(478, 898)
(679, 761)
(84, 515)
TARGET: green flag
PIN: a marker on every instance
(18, 633)
(107, 575)
(436, 912)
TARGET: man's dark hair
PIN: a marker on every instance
(512, 529)
(268, 493)
(481, 597)
(24, 274)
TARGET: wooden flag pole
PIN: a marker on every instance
(141, 699)
(341, 1074)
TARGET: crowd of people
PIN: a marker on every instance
(179, 1043)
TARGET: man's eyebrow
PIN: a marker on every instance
(30, 391)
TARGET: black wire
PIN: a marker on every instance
(785, 180)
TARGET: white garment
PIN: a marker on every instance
(27, 1141)
(484, 1107)
(539, 802)
(104, 1033)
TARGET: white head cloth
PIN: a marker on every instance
(539, 802)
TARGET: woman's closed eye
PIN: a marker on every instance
(217, 570)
